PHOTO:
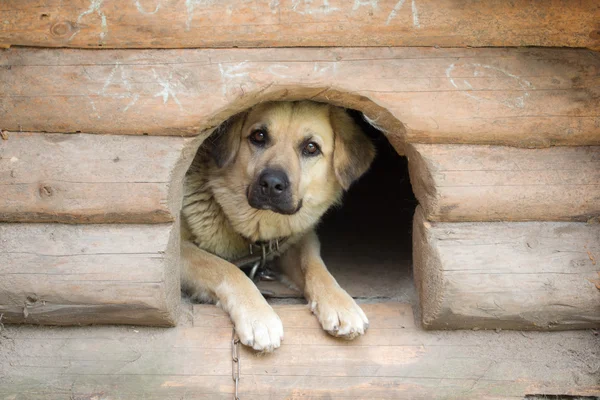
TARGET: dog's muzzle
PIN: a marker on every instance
(272, 191)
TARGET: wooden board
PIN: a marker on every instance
(517, 275)
(517, 97)
(285, 23)
(395, 359)
(494, 183)
(78, 178)
(89, 274)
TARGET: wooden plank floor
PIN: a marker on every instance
(396, 359)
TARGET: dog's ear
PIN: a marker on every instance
(353, 151)
(224, 143)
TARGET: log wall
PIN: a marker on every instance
(287, 23)
(517, 97)
(454, 112)
(456, 183)
(89, 274)
(518, 275)
(92, 179)
(101, 268)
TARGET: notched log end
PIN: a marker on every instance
(427, 270)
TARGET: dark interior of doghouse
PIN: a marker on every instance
(366, 243)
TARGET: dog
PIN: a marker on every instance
(268, 175)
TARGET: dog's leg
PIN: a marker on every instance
(337, 312)
(210, 277)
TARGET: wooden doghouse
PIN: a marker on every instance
(503, 144)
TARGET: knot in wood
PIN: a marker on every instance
(32, 299)
(46, 191)
(61, 29)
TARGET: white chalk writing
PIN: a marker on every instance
(359, 3)
(274, 6)
(169, 88)
(230, 73)
(415, 14)
(278, 70)
(325, 68)
(123, 90)
(94, 8)
(190, 5)
(142, 10)
(465, 87)
(306, 7)
(398, 7)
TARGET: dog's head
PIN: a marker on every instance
(279, 166)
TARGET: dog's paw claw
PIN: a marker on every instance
(340, 316)
(262, 331)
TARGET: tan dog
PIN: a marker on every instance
(269, 174)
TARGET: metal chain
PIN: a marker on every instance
(235, 362)
(260, 264)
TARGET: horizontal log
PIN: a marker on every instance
(78, 178)
(495, 183)
(517, 97)
(89, 274)
(394, 360)
(518, 275)
(285, 23)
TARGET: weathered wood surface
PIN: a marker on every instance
(393, 360)
(518, 275)
(89, 274)
(517, 97)
(495, 183)
(79, 178)
(285, 23)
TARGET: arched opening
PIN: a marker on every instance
(366, 242)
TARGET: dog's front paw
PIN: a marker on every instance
(258, 326)
(339, 314)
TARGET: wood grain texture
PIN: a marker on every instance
(285, 23)
(395, 359)
(89, 274)
(456, 183)
(78, 178)
(518, 275)
(517, 97)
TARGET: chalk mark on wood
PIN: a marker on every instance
(123, 83)
(398, 7)
(394, 11)
(278, 70)
(325, 68)
(467, 89)
(190, 5)
(359, 3)
(94, 8)
(169, 87)
(230, 73)
(308, 9)
(141, 9)
(240, 73)
(415, 14)
(274, 6)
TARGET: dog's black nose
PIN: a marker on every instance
(273, 182)
(272, 190)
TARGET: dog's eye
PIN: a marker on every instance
(258, 137)
(311, 149)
